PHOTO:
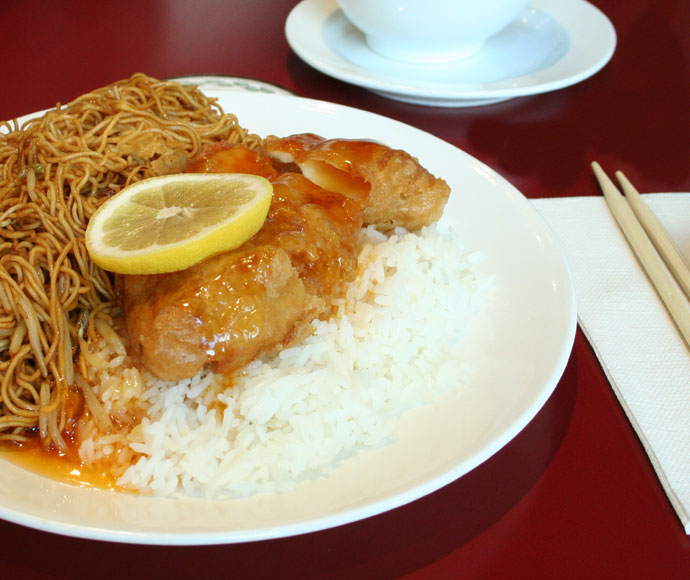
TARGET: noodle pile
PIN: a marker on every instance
(55, 172)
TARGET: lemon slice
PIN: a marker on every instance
(169, 223)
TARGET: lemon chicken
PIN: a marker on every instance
(234, 307)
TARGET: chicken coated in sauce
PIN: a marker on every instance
(236, 306)
(398, 190)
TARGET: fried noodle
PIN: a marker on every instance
(56, 170)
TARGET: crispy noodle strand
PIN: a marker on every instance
(55, 171)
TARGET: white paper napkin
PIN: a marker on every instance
(642, 353)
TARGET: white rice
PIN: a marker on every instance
(294, 415)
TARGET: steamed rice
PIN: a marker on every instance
(392, 345)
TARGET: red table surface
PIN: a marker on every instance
(573, 495)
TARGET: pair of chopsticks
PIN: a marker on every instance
(656, 251)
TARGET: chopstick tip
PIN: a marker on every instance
(599, 173)
(607, 186)
(628, 187)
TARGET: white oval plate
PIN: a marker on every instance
(553, 44)
(518, 348)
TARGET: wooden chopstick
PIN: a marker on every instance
(659, 274)
(657, 233)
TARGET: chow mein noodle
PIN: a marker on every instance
(56, 170)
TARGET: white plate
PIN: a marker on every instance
(518, 348)
(553, 44)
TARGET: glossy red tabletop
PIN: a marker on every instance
(573, 495)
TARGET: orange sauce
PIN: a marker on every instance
(223, 157)
(34, 457)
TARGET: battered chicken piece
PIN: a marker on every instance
(234, 307)
(398, 190)
(227, 310)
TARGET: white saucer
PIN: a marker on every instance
(553, 44)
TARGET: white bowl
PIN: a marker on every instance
(429, 31)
